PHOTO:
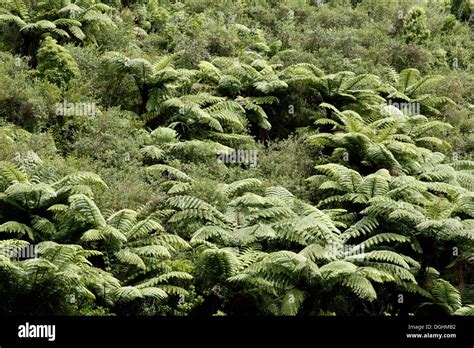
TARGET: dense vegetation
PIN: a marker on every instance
(237, 158)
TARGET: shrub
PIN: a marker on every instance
(415, 25)
(55, 64)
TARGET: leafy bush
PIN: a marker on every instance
(55, 64)
(149, 202)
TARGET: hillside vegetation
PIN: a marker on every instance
(236, 157)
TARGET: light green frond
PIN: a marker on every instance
(245, 184)
(162, 168)
(88, 209)
(123, 220)
(130, 258)
(361, 286)
(17, 228)
(292, 302)
(465, 311)
(11, 174)
(447, 295)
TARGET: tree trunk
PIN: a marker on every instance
(263, 135)
(423, 273)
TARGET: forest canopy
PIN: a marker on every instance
(229, 158)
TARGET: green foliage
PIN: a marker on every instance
(361, 188)
(25, 100)
(55, 64)
(415, 26)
